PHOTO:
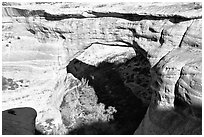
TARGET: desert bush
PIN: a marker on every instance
(60, 130)
(48, 128)
(80, 108)
(4, 83)
(8, 83)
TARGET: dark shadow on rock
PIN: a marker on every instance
(174, 121)
(19, 121)
(52, 17)
(37, 132)
(97, 128)
(138, 17)
(110, 90)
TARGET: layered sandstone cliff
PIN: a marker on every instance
(155, 48)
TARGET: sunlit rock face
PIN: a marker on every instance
(177, 86)
(177, 98)
(154, 48)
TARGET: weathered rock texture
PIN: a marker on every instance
(19, 121)
(167, 35)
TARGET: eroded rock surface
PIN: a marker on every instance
(177, 86)
(163, 40)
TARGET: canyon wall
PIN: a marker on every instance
(167, 36)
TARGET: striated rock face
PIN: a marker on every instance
(19, 121)
(176, 106)
(157, 48)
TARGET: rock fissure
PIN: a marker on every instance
(185, 33)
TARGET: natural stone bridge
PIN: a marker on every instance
(164, 39)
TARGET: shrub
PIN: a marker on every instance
(80, 108)
(60, 130)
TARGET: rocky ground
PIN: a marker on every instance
(108, 68)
